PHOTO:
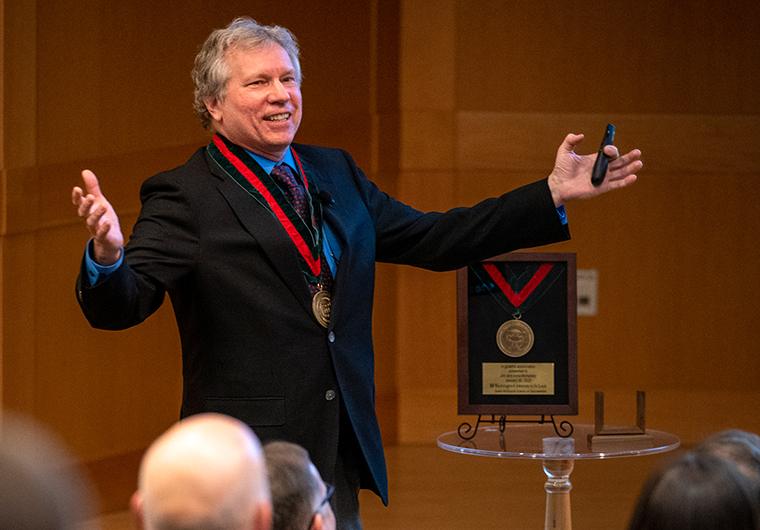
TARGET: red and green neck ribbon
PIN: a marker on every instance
(516, 293)
(246, 172)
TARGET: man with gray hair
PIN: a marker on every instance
(300, 498)
(207, 472)
(267, 249)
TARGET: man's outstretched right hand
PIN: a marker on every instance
(101, 220)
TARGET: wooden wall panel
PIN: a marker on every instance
(654, 57)
(670, 143)
(115, 77)
(676, 253)
(19, 90)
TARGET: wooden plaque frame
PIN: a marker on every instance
(553, 319)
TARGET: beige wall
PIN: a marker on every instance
(443, 103)
(489, 89)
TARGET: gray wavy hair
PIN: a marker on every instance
(211, 71)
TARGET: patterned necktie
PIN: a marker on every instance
(296, 195)
(294, 192)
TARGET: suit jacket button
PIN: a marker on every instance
(330, 395)
(331, 336)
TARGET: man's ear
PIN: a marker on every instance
(213, 107)
(136, 507)
(317, 524)
(262, 519)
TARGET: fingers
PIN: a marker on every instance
(630, 161)
(570, 142)
(611, 151)
(618, 183)
(91, 183)
(633, 155)
(76, 195)
(100, 219)
(84, 203)
(100, 230)
(94, 218)
(92, 209)
(622, 171)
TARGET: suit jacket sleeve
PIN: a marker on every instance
(167, 235)
(522, 218)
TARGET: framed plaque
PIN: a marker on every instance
(517, 341)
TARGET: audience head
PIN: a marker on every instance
(299, 496)
(206, 472)
(740, 447)
(697, 492)
(41, 486)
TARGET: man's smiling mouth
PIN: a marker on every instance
(278, 117)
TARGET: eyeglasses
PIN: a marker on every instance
(330, 491)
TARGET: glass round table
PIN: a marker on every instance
(558, 454)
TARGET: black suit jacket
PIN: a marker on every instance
(251, 346)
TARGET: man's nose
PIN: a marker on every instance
(279, 92)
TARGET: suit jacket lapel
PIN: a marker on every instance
(319, 178)
(268, 232)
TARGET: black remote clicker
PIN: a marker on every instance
(600, 166)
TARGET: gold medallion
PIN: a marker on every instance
(320, 306)
(515, 338)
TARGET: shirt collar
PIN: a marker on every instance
(268, 165)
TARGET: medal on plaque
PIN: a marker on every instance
(515, 338)
(515, 294)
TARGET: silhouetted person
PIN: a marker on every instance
(739, 447)
(41, 486)
(697, 492)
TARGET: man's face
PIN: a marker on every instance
(262, 108)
